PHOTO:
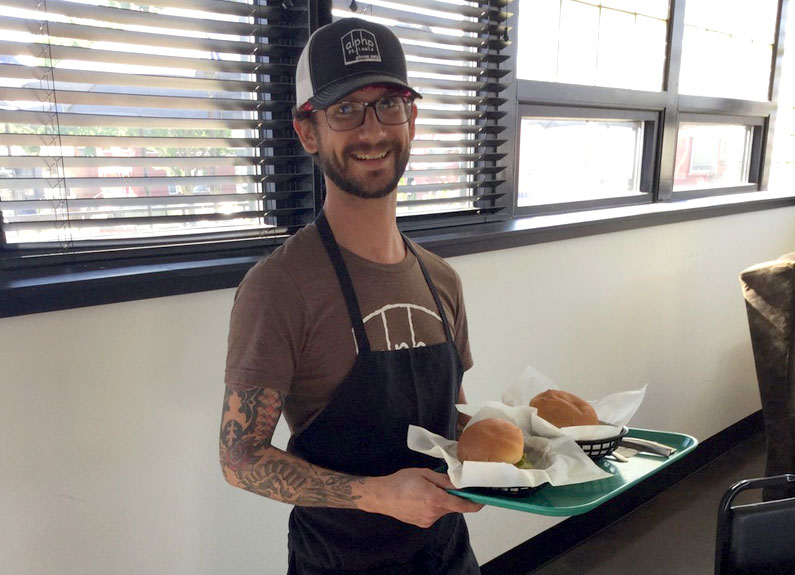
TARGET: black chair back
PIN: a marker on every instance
(756, 538)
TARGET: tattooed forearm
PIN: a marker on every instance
(287, 478)
(250, 462)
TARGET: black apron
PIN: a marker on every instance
(362, 431)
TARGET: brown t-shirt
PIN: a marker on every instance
(290, 328)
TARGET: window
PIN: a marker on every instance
(660, 100)
(782, 162)
(579, 162)
(619, 43)
(164, 125)
(132, 125)
(713, 154)
(455, 60)
(728, 48)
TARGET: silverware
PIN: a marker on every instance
(618, 457)
(647, 446)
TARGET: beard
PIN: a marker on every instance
(336, 170)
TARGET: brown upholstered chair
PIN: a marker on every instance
(769, 291)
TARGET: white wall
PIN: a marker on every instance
(109, 415)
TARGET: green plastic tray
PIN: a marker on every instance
(568, 500)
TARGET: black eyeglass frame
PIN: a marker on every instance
(407, 103)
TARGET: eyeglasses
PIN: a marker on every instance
(390, 110)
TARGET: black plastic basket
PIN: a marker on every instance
(504, 491)
(498, 491)
(598, 448)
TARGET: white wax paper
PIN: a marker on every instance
(615, 409)
(556, 457)
(556, 460)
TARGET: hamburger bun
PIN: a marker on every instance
(564, 409)
(491, 439)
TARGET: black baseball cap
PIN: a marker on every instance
(345, 56)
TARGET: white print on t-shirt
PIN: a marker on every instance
(408, 307)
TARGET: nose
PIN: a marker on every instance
(371, 121)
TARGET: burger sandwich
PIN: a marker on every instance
(564, 409)
(495, 440)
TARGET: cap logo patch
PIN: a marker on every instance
(360, 46)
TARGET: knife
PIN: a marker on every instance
(647, 446)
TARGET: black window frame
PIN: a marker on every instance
(754, 175)
(651, 123)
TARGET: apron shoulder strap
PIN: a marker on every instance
(447, 331)
(335, 255)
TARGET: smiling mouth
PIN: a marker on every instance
(372, 156)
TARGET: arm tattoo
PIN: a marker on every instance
(249, 461)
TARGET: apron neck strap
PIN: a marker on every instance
(335, 255)
(447, 331)
(354, 311)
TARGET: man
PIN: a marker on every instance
(353, 333)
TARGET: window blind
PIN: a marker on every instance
(150, 123)
(453, 50)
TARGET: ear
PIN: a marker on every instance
(307, 134)
(414, 112)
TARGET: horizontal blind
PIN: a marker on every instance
(158, 122)
(454, 55)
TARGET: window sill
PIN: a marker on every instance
(36, 292)
(537, 229)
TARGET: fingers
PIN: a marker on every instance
(438, 479)
(416, 496)
(458, 504)
(449, 504)
(449, 501)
